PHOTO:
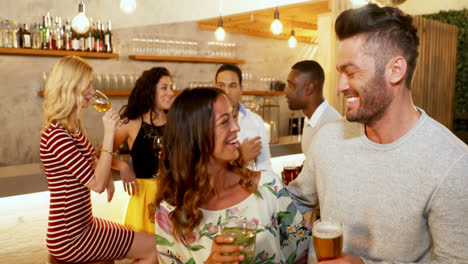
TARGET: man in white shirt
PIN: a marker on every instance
(304, 92)
(252, 136)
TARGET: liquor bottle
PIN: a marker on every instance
(45, 33)
(101, 43)
(50, 43)
(97, 36)
(82, 38)
(83, 41)
(35, 37)
(7, 34)
(108, 38)
(58, 34)
(53, 32)
(26, 42)
(14, 35)
(89, 37)
(67, 36)
(75, 41)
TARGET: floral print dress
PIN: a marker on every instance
(283, 236)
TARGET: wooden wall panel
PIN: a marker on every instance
(433, 85)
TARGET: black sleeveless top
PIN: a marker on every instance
(145, 161)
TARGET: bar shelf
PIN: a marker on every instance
(185, 59)
(58, 53)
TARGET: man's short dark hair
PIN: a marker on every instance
(389, 29)
(230, 67)
(314, 70)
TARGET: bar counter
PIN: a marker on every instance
(25, 206)
(29, 178)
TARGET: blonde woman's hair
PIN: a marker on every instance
(69, 78)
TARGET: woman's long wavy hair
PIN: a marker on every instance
(143, 96)
(63, 93)
(188, 143)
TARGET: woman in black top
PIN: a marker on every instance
(146, 114)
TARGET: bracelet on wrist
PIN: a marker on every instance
(108, 151)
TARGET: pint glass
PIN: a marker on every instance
(244, 232)
(328, 239)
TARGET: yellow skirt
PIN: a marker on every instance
(139, 215)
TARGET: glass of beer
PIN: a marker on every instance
(328, 239)
(290, 172)
(244, 232)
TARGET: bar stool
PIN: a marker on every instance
(52, 260)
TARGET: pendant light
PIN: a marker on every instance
(276, 26)
(220, 34)
(80, 22)
(127, 6)
(292, 40)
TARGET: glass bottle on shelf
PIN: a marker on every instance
(44, 33)
(75, 42)
(36, 36)
(50, 33)
(108, 38)
(1, 34)
(97, 36)
(89, 41)
(58, 34)
(6, 34)
(101, 36)
(67, 36)
(26, 42)
(14, 35)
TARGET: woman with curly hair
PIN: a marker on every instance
(73, 170)
(146, 115)
(204, 181)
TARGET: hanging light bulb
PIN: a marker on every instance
(127, 6)
(219, 33)
(276, 26)
(292, 40)
(80, 23)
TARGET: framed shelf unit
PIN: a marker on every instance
(58, 53)
(185, 59)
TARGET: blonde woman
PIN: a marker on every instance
(72, 170)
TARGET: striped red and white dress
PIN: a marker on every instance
(73, 234)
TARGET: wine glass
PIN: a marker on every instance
(157, 145)
(102, 103)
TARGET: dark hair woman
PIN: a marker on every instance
(145, 114)
(203, 181)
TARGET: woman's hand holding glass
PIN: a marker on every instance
(221, 251)
(110, 120)
(102, 103)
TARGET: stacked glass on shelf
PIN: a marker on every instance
(197, 84)
(161, 46)
(153, 45)
(52, 35)
(222, 49)
(107, 81)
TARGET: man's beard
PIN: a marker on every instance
(374, 101)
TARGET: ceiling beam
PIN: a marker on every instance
(253, 32)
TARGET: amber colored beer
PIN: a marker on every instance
(328, 239)
(289, 174)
